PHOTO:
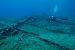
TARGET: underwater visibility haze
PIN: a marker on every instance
(24, 7)
(37, 24)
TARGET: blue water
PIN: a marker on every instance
(42, 33)
(25, 7)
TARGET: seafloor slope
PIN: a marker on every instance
(37, 32)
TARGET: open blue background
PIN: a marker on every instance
(25, 7)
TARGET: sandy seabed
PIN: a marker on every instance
(36, 32)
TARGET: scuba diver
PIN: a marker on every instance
(53, 18)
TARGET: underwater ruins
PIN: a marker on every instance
(37, 32)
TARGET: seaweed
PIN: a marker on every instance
(2, 37)
(28, 19)
(50, 42)
(15, 33)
